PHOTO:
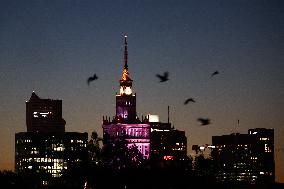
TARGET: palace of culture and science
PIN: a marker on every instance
(48, 149)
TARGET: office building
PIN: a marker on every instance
(44, 115)
(245, 158)
(167, 143)
(46, 149)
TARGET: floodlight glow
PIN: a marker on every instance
(153, 118)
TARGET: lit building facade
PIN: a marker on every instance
(46, 148)
(125, 125)
(245, 158)
(52, 153)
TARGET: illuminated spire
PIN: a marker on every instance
(125, 53)
(126, 81)
(125, 74)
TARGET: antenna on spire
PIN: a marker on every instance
(168, 114)
(125, 52)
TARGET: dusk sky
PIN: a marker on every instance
(53, 46)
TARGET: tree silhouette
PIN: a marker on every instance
(10, 179)
(204, 166)
(119, 156)
(94, 148)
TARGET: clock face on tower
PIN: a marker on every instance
(125, 90)
(128, 91)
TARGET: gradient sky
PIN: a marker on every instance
(52, 46)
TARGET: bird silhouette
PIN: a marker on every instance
(204, 121)
(164, 77)
(214, 73)
(92, 78)
(188, 100)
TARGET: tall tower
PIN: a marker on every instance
(126, 100)
(126, 126)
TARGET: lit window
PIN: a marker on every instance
(44, 182)
(168, 157)
(35, 114)
(266, 148)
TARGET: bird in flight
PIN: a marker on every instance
(204, 121)
(164, 77)
(188, 100)
(214, 73)
(92, 78)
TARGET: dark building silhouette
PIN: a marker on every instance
(263, 150)
(167, 143)
(46, 148)
(44, 115)
(125, 125)
(245, 158)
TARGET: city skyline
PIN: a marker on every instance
(53, 47)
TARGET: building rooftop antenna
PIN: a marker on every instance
(238, 125)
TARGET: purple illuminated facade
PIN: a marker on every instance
(126, 126)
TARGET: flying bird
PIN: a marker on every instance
(164, 77)
(188, 100)
(214, 73)
(204, 121)
(92, 78)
